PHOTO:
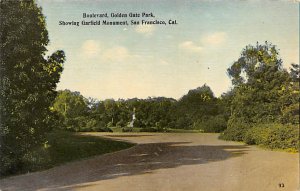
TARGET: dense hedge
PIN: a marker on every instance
(270, 135)
(274, 136)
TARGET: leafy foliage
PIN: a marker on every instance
(236, 129)
(262, 108)
(152, 114)
(64, 147)
(28, 82)
(274, 135)
(194, 109)
(211, 124)
(264, 93)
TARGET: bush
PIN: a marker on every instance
(86, 125)
(172, 125)
(274, 136)
(257, 135)
(121, 123)
(183, 122)
(91, 123)
(283, 137)
(236, 130)
(127, 129)
(101, 127)
(213, 124)
(76, 124)
(139, 123)
(110, 124)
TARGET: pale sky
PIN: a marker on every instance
(165, 60)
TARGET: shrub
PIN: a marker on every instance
(183, 122)
(140, 123)
(121, 123)
(236, 130)
(91, 123)
(213, 124)
(283, 137)
(101, 127)
(257, 135)
(172, 124)
(274, 136)
(110, 124)
(127, 129)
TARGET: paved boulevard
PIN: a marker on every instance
(170, 162)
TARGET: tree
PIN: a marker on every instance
(260, 87)
(111, 109)
(259, 83)
(72, 107)
(290, 98)
(194, 107)
(28, 81)
(70, 104)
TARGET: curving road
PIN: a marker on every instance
(170, 162)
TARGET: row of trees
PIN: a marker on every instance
(261, 108)
(198, 109)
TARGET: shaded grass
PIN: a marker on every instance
(154, 129)
(120, 129)
(65, 147)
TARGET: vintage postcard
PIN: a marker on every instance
(127, 95)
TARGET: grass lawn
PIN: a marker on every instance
(165, 130)
(119, 129)
(64, 147)
(169, 130)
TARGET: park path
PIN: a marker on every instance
(170, 162)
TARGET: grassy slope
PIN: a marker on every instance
(64, 147)
(67, 146)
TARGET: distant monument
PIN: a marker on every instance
(133, 118)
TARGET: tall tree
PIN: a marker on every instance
(259, 80)
(198, 103)
(70, 104)
(290, 97)
(28, 81)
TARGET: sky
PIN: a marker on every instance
(164, 60)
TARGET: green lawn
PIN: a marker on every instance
(64, 147)
(169, 130)
(154, 129)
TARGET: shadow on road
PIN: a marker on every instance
(141, 159)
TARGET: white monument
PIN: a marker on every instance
(133, 118)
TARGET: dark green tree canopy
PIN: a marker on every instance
(28, 80)
(255, 63)
(264, 93)
(70, 104)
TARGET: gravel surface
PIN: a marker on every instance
(170, 162)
